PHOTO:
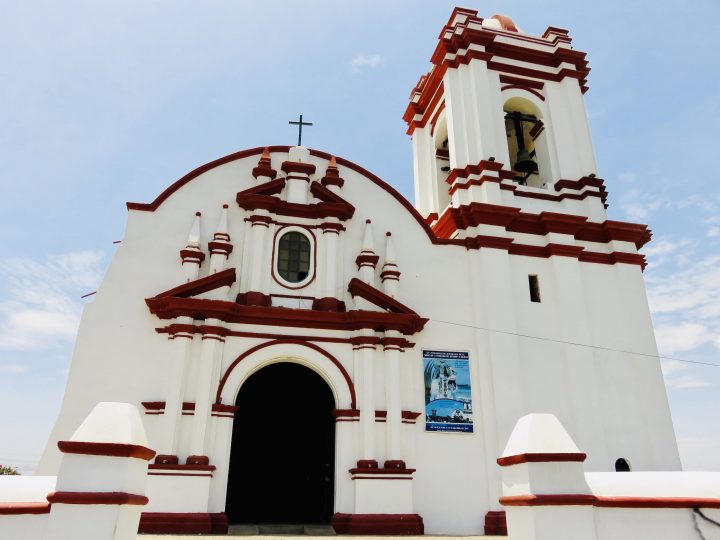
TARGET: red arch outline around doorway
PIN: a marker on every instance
(307, 344)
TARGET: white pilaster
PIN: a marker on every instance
(181, 347)
(392, 351)
(210, 355)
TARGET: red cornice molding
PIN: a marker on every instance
(428, 91)
(577, 499)
(96, 497)
(18, 508)
(106, 449)
(515, 220)
(171, 307)
(541, 458)
(297, 167)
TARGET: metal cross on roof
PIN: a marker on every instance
(300, 124)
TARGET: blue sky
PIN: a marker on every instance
(106, 102)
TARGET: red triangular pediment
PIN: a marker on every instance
(273, 187)
(325, 195)
(202, 285)
(377, 297)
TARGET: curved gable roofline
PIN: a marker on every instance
(151, 207)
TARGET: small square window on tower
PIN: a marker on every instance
(534, 288)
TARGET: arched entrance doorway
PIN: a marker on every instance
(282, 458)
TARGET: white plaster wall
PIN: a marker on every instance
(119, 356)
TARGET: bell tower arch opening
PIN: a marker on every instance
(527, 143)
(282, 456)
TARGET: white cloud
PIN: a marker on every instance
(678, 374)
(365, 61)
(627, 177)
(713, 232)
(13, 369)
(674, 338)
(41, 306)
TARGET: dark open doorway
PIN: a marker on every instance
(282, 459)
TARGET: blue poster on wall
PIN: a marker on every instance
(448, 400)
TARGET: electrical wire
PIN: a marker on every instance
(518, 334)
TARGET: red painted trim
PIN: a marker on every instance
(574, 499)
(331, 227)
(223, 408)
(253, 299)
(435, 117)
(431, 218)
(365, 259)
(264, 167)
(297, 167)
(202, 461)
(495, 523)
(96, 497)
(346, 413)
(381, 471)
(378, 298)
(179, 467)
(541, 458)
(220, 247)
(180, 474)
(509, 79)
(328, 304)
(378, 524)
(657, 502)
(18, 508)
(106, 449)
(332, 176)
(202, 285)
(183, 523)
(166, 459)
(193, 255)
(153, 405)
(525, 88)
(151, 207)
(313, 269)
(309, 345)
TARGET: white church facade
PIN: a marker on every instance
(309, 347)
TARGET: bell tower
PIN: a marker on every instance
(500, 119)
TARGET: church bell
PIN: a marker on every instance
(523, 163)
